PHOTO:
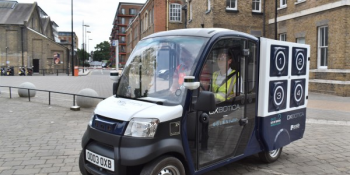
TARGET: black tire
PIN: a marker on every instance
(270, 156)
(162, 165)
(81, 164)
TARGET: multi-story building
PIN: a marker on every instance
(324, 25)
(155, 16)
(125, 13)
(66, 38)
(27, 39)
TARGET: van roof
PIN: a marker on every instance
(201, 32)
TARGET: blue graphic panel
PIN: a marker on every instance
(297, 93)
(299, 61)
(279, 61)
(277, 95)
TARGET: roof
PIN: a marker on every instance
(20, 13)
(201, 32)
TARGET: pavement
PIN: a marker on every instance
(37, 138)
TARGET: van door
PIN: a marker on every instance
(230, 75)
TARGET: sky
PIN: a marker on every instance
(98, 14)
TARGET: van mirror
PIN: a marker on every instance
(189, 83)
(205, 101)
(114, 75)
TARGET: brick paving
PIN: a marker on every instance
(36, 138)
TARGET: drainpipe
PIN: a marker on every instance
(264, 18)
(167, 15)
(275, 19)
(22, 42)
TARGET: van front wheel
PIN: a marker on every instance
(270, 156)
(164, 165)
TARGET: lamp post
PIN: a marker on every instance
(72, 47)
(85, 49)
(89, 46)
(84, 27)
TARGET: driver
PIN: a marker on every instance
(225, 78)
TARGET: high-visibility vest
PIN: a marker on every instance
(180, 70)
(220, 92)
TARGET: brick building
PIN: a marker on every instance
(324, 25)
(27, 35)
(155, 16)
(125, 13)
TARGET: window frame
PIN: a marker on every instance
(283, 36)
(191, 11)
(208, 7)
(173, 7)
(283, 5)
(256, 1)
(229, 7)
(297, 40)
(322, 46)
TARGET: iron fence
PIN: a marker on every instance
(49, 93)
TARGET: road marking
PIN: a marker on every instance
(328, 122)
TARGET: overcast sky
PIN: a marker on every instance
(98, 14)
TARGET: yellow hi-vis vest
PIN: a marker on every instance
(220, 92)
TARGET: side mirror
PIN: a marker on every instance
(114, 75)
(190, 84)
(205, 101)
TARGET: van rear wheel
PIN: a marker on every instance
(270, 156)
(165, 165)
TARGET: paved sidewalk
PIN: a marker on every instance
(36, 138)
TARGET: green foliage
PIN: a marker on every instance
(80, 54)
(102, 51)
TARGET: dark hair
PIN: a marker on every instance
(235, 53)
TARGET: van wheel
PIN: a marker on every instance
(166, 165)
(81, 164)
(270, 156)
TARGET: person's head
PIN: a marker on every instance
(224, 59)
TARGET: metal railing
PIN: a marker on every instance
(53, 71)
(64, 93)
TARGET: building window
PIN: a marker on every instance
(123, 11)
(130, 36)
(301, 40)
(135, 34)
(132, 11)
(175, 12)
(322, 47)
(190, 3)
(283, 3)
(123, 20)
(208, 9)
(146, 20)
(283, 37)
(256, 6)
(231, 4)
(150, 18)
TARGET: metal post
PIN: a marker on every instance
(74, 100)
(10, 92)
(72, 64)
(49, 97)
(275, 19)
(57, 71)
(29, 94)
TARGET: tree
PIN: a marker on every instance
(102, 51)
(80, 56)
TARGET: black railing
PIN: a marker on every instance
(53, 71)
(29, 89)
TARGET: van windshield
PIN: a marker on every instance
(156, 68)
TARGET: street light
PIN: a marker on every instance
(84, 27)
(85, 49)
(88, 46)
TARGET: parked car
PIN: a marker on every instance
(163, 73)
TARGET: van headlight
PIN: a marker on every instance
(142, 127)
(92, 119)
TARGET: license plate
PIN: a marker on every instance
(99, 160)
